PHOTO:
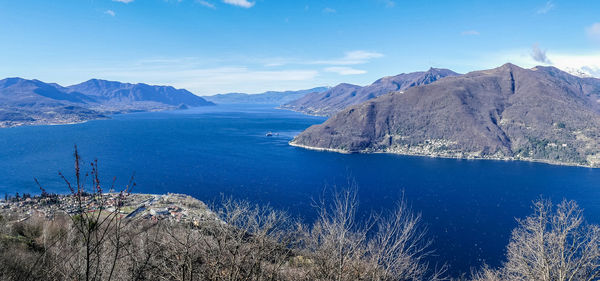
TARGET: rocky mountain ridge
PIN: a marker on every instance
(539, 114)
(33, 102)
(343, 95)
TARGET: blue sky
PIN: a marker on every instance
(217, 46)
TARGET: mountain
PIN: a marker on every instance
(539, 114)
(339, 97)
(33, 102)
(119, 96)
(19, 91)
(271, 97)
(28, 102)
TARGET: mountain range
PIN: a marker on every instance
(33, 102)
(343, 95)
(539, 114)
(270, 97)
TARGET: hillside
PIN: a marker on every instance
(337, 98)
(539, 114)
(33, 102)
(126, 95)
(270, 97)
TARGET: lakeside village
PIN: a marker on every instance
(171, 207)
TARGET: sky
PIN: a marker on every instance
(251, 46)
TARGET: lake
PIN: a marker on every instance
(469, 206)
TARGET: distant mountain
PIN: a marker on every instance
(341, 96)
(539, 114)
(33, 102)
(111, 92)
(28, 102)
(19, 91)
(271, 97)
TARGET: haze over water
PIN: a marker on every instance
(469, 206)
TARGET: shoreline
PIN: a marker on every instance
(321, 148)
(53, 123)
(342, 151)
(107, 116)
(302, 112)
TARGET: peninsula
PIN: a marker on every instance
(510, 113)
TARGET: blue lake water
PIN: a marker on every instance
(469, 206)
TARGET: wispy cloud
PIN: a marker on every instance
(207, 76)
(329, 11)
(593, 31)
(539, 55)
(206, 4)
(470, 33)
(240, 3)
(273, 62)
(345, 70)
(549, 6)
(110, 13)
(123, 1)
(388, 3)
(351, 58)
(194, 75)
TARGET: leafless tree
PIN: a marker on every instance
(400, 247)
(552, 244)
(392, 247)
(486, 274)
(337, 242)
(96, 228)
(246, 242)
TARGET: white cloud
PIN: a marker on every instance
(345, 70)
(206, 4)
(470, 33)
(329, 10)
(351, 58)
(240, 3)
(110, 13)
(573, 61)
(549, 6)
(539, 55)
(123, 1)
(593, 31)
(362, 55)
(588, 64)
(191, 74)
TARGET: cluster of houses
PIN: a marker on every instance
(173, 207)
